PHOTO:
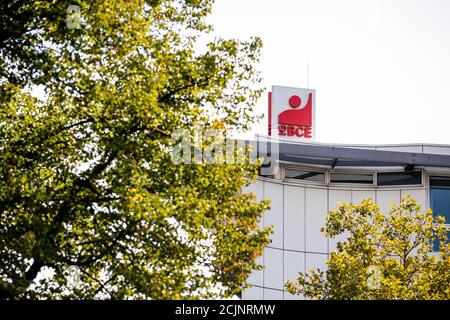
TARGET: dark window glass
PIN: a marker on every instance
(399, 178)
(440, 182)
(440, 200)
(440, 197)
(436, 242)
(304, 175)
(352, 178)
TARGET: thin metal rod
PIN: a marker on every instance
(307, 75)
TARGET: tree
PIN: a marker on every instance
(386, 256)
(87, 180)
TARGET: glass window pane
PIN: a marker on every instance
(440, 201)
(304, 175)
(436, 242)
(352, 178)
(399, 178)
(440, 197)
(440, 181)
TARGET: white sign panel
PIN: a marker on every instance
(292, 113)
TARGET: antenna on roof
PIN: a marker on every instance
(307, 75)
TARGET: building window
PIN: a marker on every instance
(399, 178)
(352, 178)
(440, 200)
(304, 175)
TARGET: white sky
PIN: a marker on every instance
(381, 68)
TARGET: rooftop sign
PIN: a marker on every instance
(292, 113)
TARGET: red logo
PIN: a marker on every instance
(296, 122)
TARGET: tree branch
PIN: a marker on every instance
(166, 96)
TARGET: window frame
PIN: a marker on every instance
(328, 172)
(402, 186)
(308, 169)
(352, 172)
(430, 174)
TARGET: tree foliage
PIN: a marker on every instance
(86, 177)
(386, 256)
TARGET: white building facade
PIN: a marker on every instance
(311, 179)
(305, 180)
